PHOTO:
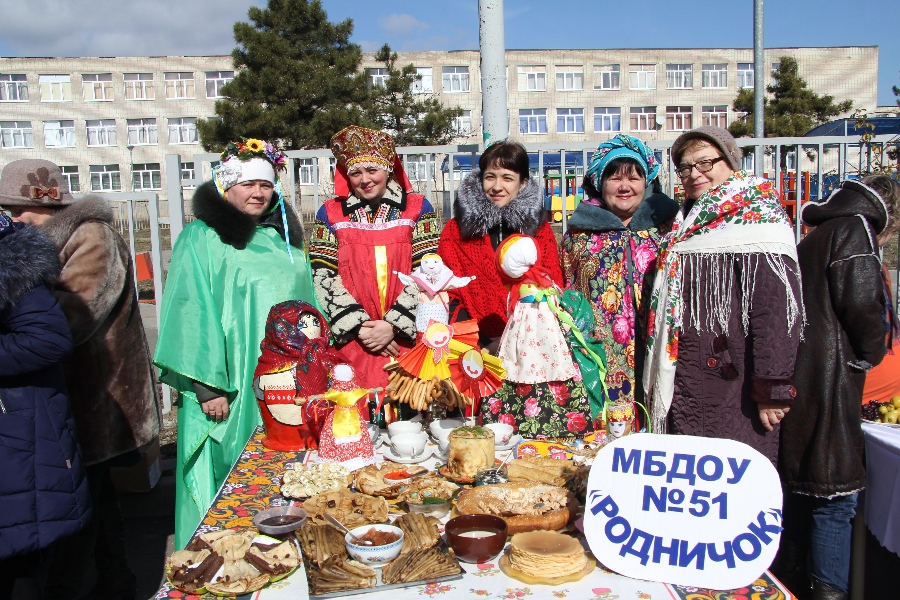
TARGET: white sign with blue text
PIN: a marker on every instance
(685, 510)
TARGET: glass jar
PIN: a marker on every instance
(489, 475)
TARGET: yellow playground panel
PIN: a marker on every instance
(553, 201)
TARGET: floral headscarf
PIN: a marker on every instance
(622, 146)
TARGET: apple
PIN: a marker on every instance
(895, 401)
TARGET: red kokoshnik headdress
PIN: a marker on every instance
(360, 146)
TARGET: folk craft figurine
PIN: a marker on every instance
(344, 437)
(543, 394)
(433, 278)
(296, 357)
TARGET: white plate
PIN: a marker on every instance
(515, 439)
(388, 453)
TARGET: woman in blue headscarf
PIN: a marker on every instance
(609, 252)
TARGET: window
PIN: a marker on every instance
(146, 176)
(678, 118)
(607, 118)
(462, 124)
(59, 134)
(16, 134)
(745, 75)
(425, 83)
(105, 178)
(532, 78)
(378, 77)
(679, 76)
(71, 176)
(188, 173)
(139, 86)
(715, 75)
(13, 87)
(717, 116)
(775, 67)
(570, 120)
(101, 132)
(215, 80)
(570, 78)
(455, 79)
(307, 171)
(97, 87)
(643, 118)
(55, 88)
(183, 130)
(179, 86)
(643, 77)
(606, 77)
(416, 166)
(532, 120)
(142, 132)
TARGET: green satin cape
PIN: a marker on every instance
(213, 318)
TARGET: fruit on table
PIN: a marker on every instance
(892, 417)
(895, 402)
(883, 409)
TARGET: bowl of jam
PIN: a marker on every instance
(280, 520)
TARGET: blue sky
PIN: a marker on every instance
(170, 27)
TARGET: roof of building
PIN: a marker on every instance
(882, 125)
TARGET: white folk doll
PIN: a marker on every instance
(433, 278)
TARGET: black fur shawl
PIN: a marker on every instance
(236, 228)
(476, 214)
(28, 258)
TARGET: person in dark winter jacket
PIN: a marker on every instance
(726, 311)
(821, 459)
(43, 489)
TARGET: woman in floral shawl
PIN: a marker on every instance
(726, 312)
(609, 253)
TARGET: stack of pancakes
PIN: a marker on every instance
(546, 554)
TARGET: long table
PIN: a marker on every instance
(883, 484)
(253, 485)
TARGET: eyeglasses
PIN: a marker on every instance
(703, 166)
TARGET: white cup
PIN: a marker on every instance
(502, 433)
(441, 428)
(408, 445)
(399, 427)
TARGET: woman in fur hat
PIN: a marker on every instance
(242, 255)
(494, 201)
(374, 225)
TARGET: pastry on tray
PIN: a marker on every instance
(525, 506)
(350, 508)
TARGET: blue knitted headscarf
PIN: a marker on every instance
(622, 146)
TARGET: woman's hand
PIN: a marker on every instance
(376, 335)
(772, 414)
(216, 408)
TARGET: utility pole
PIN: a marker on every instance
(492, 42)
(759, 87)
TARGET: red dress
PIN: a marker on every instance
(368, 254)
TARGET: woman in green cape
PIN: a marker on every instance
(243, 254)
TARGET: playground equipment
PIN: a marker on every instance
(553, 202)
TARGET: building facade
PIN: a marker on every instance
(110, 122)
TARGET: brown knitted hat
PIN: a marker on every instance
(717, 136)
(34, 182)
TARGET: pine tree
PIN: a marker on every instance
(413, 119)
(793, 108)
(298, 79)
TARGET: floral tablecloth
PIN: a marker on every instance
(253, 485)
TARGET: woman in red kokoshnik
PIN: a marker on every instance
(374, 226)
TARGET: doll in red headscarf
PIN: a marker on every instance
(296, 357)
(543, 394)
